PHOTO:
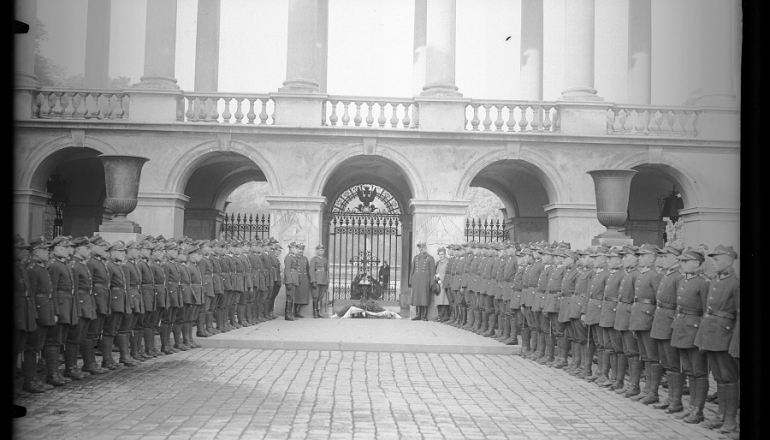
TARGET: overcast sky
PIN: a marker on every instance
(371, 44)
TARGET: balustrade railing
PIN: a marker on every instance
(226, 108)
(352, 111)
(652, 121)
(512, 116)
(90, 104)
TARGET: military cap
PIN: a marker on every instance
(149, 238)
(117, 246)
(582, 252)
(160, 238)
(526, 250)
(61, 241)
(440, 250)
(192, 249)
(292, 244)
(570, 253)
(132, 245)
(629, 250)
(319, 247)
(564, 245)
(39, 242)
(272, 240)
(81, 241)
(692, 254)
(277, 246)
(421, 244)
(157, 246)
(724, 250)
(614, 251)
(670, 249)
(171, 246)
(599, 251)
(301, 245)
(19, 242)
(648, 249)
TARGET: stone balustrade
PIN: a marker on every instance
(652, 121)
(512, 116)
(372, 112)
(226, 108)
(91, 104)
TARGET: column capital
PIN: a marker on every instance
(33, 196)
(297, 203)
(177, 200)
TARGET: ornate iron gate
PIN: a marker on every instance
(245, 228)
(365, 244)
(488, 231)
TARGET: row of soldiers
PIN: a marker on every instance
(641, 310)
(85, 293)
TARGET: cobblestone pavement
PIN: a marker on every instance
(273, 394)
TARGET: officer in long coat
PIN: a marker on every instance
(423, 269)
(24, 317)
(85, 304)
(319, 279)
(100, 277)
(716, 331)
(117, 326)
(274, 254)
(613, 345)
(290, 280)
(63, 286)
(147, 288)
(302, 296)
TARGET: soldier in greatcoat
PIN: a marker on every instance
(133, 255)
(290, 280)
(578, 329)
(85, 304)
(551, 304)
(319, 279)
(470, 281)
(510, 334)
(423, 269)
(528, 298)
(269, 278)
(147, 288)
(539, 319)
(613, 345)
(100, 277)
(206, 267)
(258, 282)
(302, 297)
(194, 257)
(63, 285)
(567, 289)
(275, 254)
(117, 326)
(456, 286)
(716, 331)
(184, 315)
(157, 260)
(25, 318)
(173, 291)
(592, 309)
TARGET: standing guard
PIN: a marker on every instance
(100, 277)
(592, 310)
(290, 280)
(423, 269)
(26, 317)
(567, 288)
(579, 300)
(206, 269)
(137, 301)
(117, 326)
(157, 259)
(319, 279)
(196, 289)
(622, 322)
(275, 255)
(302, 297)
(63, 286)
(147, 288)
(613, 345)
(85, 304)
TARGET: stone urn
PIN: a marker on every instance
(121, 178)
(612, 191)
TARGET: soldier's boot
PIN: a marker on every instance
(612, 359)
(243, 317)
(675, 386)
(504, 323)
(148, 335)
(600, 364)
(538, 347)
(296, 311)
(656, 374)
(200, 330)
(316, 309)
(141, 345)
(701, 391)
(690, 382)
(222, 321)
(108, 361)
(176, 329)
(186, 335)
(71, 362)
(489, 326)
(125, 356)
(577, 358)
(89, 359)
(190, 335)
(289, 311)
(210, 324)
(548, 352)
(29, 370)
(478, 316)
(604, 368)
(461, 316)
(635, 365)
(470, 318)
(563, 345)
(731, 397)
(133, 348)
(718, 419)
(525, 340)
(647, 374)
(620, 376)
(514, 328)
(588, 360)
(165, 345)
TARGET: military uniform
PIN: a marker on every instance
(457, 290)
(86, 306)
(117, 324)
(100, 288)
(319, 281)
(217, 303)
(276, 267)
(302, 297)
(613, 344)
(447, 284)
(137, 308)
(147, 288)
(577, 304)
(466, 282)
(269, 280)
(519, 307)
(46, 305)
(630, 346)
(510, 294)
(174, 295)
(25, 319)
(529, 298)
(290, 281)
(254, 309)
(196, 288)
(592, 309)
(423, 269)
(568, 285)
(184, 315)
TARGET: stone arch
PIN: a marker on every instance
(42, 159)
(229, 184)
(506, 197)
(534, 162)
(327, 170)
(687, 178)
(184, 167)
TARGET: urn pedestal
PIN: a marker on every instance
(612, 191)
(121, 175)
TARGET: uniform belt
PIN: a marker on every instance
(553, 292)
(666, 306)
(687, 311)
(625, 301)
(645, 301)
(611, 298)
(42, 295)
(719, 313)
(540, 291)
(567, 294)
(100, 285)
(146, 284)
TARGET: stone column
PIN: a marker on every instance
(579, 54)
(300, 101)
(437, 223)
(639, 51)
(97, 71)
(720, 110)
(322, 46)
(155, 98)
(531, 80)
(574, 223)
(202, 223)
(29, 212)
(299, 219)
(207, 46)
(420, 49)
(24, 60)
(160, 213)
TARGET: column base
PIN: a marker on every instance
(112, 237)
(128, 227)
(298, 108)
(621, 240)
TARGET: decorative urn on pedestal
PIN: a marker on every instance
(121, 176)
(612, 191)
